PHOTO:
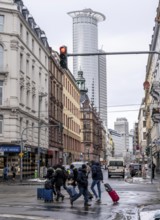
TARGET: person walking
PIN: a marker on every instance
(14, 170)
(59, 181)
(153, 170)
(82, 181)
(72, 180)
(5, 173)
(97, 178)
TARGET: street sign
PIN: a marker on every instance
(21, 154)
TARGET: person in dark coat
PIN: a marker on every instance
(97, 178)
(82, 181)
(59, 182)
(153, 170)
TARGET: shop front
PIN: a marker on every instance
(9, 155)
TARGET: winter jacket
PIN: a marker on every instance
(82, 178)
(97, 172)
(59, 177)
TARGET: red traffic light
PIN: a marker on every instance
(63, 50)
(63, 57)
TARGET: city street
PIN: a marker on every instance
(20, 202)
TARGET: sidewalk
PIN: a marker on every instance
(146, 180)
(150, 212)
(17, 181)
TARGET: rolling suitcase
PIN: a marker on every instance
(112, 193)
(48, 195)
(40, 193)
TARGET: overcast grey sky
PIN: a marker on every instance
(128, 27)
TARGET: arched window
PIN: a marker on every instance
(1, 57)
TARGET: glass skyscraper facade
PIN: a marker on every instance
(85, 40)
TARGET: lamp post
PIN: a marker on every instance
(41, 95)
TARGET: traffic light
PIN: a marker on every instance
(63, 57)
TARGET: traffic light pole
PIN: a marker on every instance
(112, 53)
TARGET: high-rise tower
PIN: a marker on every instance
(85, 40)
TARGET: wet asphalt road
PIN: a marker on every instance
(20, 202)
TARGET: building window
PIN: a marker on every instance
(40, 78)
(1, 57)
(21, 30)
(1, 124)
(27, 38)
(28, 98)
(32, 45)
(1, 23)
(22, 94)
(144, 135)
(39, 53)
(27, 67)
(33, 102)
(21, 62)
(27, 124)
(144, 124)
(33, 72)
(20, 126)
(1, 92)
(33, 133)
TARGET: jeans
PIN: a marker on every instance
(82, 191)
(98, 183)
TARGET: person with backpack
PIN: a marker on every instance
(97, 178)
(49, 183)
(59, 182)
(82, 181)
(72, 180)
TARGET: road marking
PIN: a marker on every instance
(27, 217)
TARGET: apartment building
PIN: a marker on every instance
(71, 119)
(92, 140)
(55, 151)
(24, 78)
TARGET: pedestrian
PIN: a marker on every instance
(72, 179)
(5, 172)
(49, 183)
(59, 181)
(82, 181)
(97, 178)
(153, 170)
(14, 170)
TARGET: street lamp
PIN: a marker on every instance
(41, 95)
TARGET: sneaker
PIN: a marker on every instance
(98, 200)
(62, 197)
(87, 205)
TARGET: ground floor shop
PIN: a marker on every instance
(10, 154)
